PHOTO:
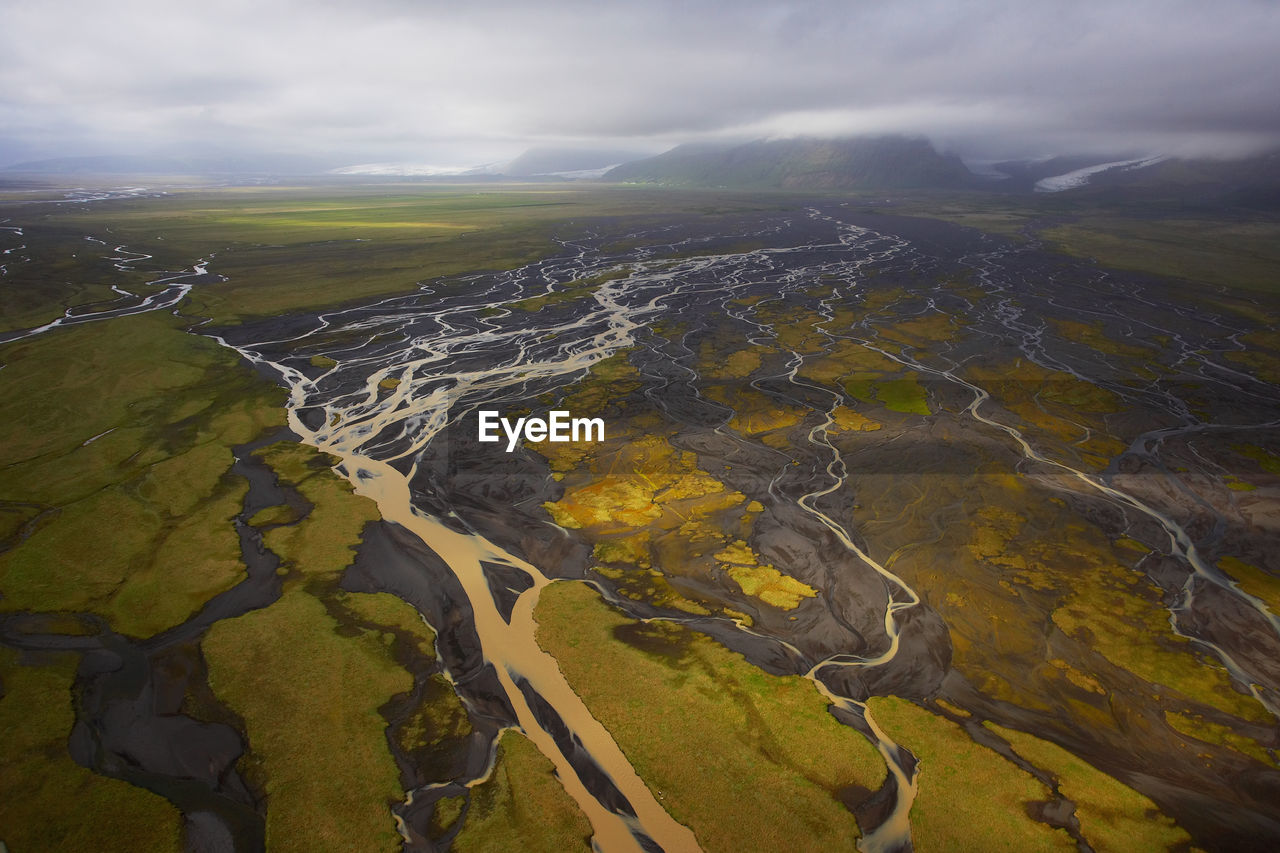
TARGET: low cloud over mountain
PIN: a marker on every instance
(389, 80)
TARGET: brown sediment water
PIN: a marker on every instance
(510, 646)
(624, 814)
(515, 655)
(437, 362)
(894, 832)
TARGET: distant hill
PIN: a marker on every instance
(1252, 182)
(556, 161)
(885, 162)
(1242, 182)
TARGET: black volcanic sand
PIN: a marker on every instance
(134, 698)
(392, 560)
(1227, 803)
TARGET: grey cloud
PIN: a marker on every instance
(440, 81)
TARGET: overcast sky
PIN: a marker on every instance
(459, 84)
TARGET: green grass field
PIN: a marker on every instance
(117, 500)
(1235, 255)
(747, 760)
(117, 497)
(1238, 250)
(294, 248)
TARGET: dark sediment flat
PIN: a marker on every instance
(1152, 369)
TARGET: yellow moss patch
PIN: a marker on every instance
(1053, 405)
(1132, 545)
(278, 514)
(762, 581)
(317, 684)
(522, 806)
(950, 810)
(693, 484)
(794, 326)
(1113, 816)
(1120, 615)
(609, 380)
(739, 552)
(770, 758)
(1256, 582)
(1092, 335)
(755, 413)
(738, 364)
(648, 476)
(1196, 726)
(447, 810)
(902, 395)
(974, 294)
(771, 586)
(385, 609)
(433, 729)
(1266, 460)
(952, 709)
(1075, 579)
(653, 519)
(920, 332)
(695, 538)
(663, 593)
(632, 549)
(323, 542)
(196, 560)
(996, 528)
(47, 801)
(1076, 394)
(849, 359)
(613, 503)
(1080, 679)
(847, 420)
(882, 297)
(1235, 484)
(754, 423)
(562, 456)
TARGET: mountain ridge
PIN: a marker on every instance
(872, 162)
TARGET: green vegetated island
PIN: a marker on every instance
(173, 556)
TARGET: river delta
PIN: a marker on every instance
(901, 535)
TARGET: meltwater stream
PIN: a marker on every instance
(409, 393)
(627, 817)
(175, 287)
(378, 386)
